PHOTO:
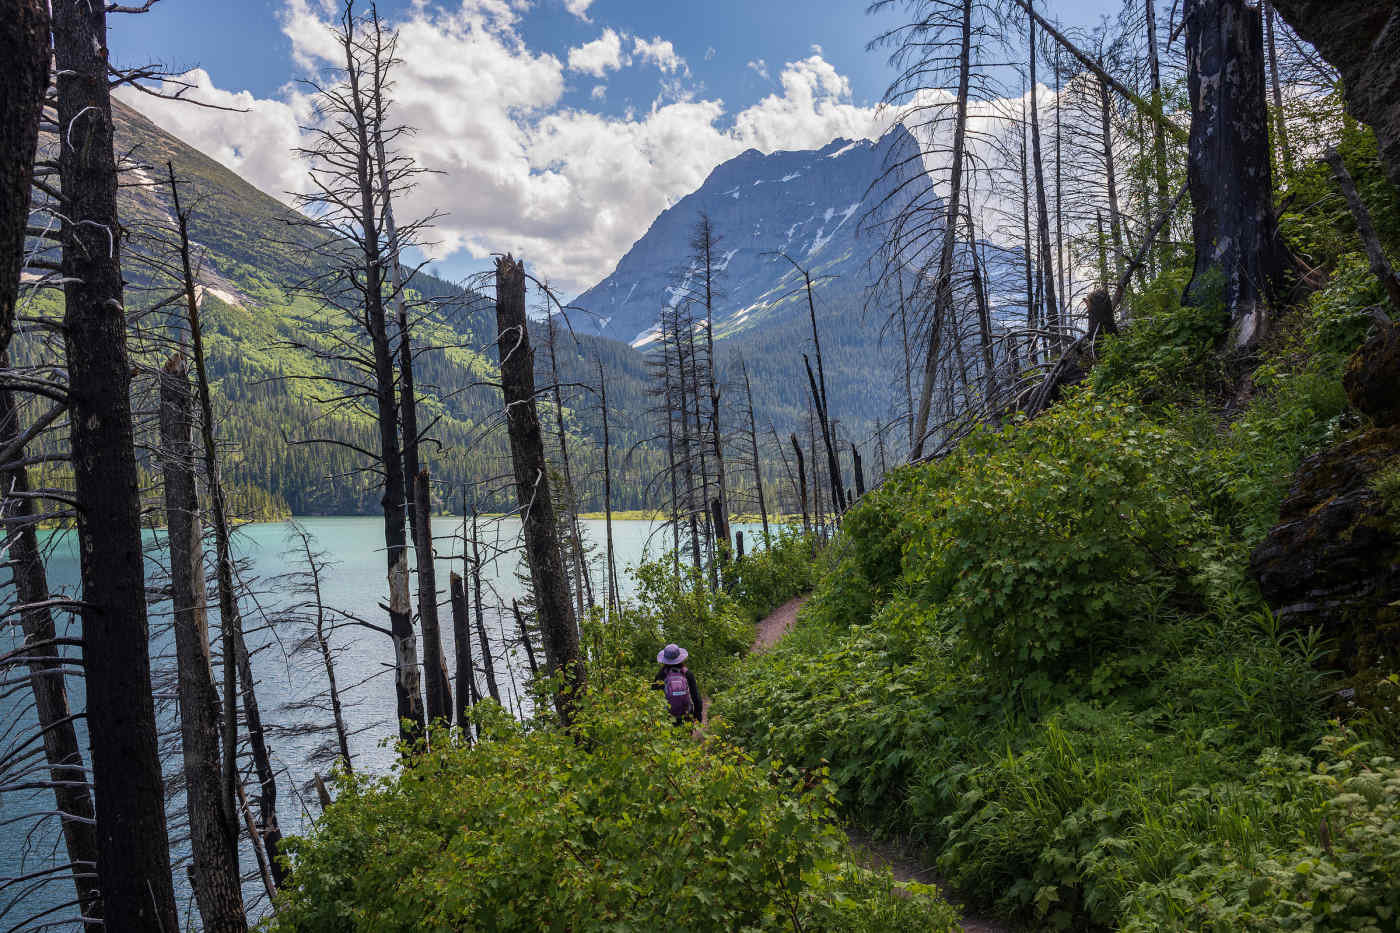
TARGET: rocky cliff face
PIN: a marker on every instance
(1361, 39)
(1333, 560)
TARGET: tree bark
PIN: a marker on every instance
(613, 602)
(133, 847)
(1047, 262)
(46, 674)
(1365, 229)
(462, 642)
(230, 618)
(488, 660)
(1239, 255)
(552, 605)
(943, 287)
(24, 45)
(705, 238)
(214, 872)
(753, 446)
(1159, 136)
(525, 638)
(802, 485)
(1111, 178)
(407, 678)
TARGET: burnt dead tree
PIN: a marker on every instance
(553, 609)
(238, 665)
(213, 824)
(346, 207)
(392, 174)
(703, 243)
(133, 848)
(753, 452)
(24, 47)
(47, 668)
(1240, 259)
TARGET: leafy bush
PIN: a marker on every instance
(625, 823)
(769, 577)
(1316, 849)
(709, 625)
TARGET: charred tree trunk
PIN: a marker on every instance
(943, 287)
(707, 242)
(552, 606)
(859, 468)
(1028, 254)
(46, 674)
(24, 44)
(1047, 263)
(582, 584)
(214, 874)
(462, 642)
(439, 693)
(230, 619)
(687, 453)
(832, 463)
(1238, 251)
(488, 660)
(1159, 136)
(613, 602)
(668, 401)
(342, 734)
(133, 846)
(753, 446)
(1111, 178)
(525, 639)
(802, 485)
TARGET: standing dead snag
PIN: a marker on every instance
(61, 748)
(553, 608)
(462, 640)
(213, 828)
(1229, 165)
(230, 617)
(24, 47)
(133, 845)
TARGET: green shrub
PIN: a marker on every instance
(1315, 847)
(625, 823)
(711, 626)
(768, 577)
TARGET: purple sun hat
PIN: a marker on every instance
(672, 654)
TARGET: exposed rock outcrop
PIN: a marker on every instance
(1361, 39)
(1333, 560)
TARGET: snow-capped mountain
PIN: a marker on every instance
(818, 206)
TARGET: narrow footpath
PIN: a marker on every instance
(888, 853)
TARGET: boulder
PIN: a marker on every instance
(1372, 378)
(1333, 560)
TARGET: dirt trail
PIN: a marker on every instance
(877, 853)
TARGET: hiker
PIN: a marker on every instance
(678, 683)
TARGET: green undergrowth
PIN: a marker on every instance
(1044, 660)
(625, 823)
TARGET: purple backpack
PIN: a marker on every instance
(677, 689)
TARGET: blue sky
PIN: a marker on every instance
(561, 127)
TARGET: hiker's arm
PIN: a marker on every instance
(697, 705)
(659, 681)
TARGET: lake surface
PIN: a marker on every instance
(355, 582)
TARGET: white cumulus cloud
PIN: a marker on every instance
(513, 167)
(600, 56)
